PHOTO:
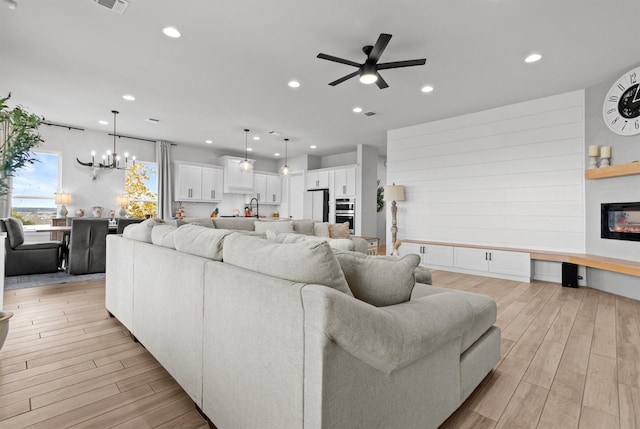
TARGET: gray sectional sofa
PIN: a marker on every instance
(266, 334)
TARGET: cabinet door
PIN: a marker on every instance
(274, 190)
(235, 181)
(312, 180)
(350, 184)
(260, 187)
(211, 184)
(438, 255)
(409, 249)
(345, 182)
(188, 184)
(513, 263)
(323, 179)
(471, 259)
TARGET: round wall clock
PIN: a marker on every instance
(621, 109)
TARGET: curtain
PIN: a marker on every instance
(165, 190)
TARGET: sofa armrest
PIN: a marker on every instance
(386, 338)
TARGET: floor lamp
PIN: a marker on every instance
(394, 193)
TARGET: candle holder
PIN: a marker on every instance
(604, 162)
(593, 162)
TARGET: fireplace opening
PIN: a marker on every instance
(620, 221)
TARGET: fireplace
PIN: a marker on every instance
(620, 221)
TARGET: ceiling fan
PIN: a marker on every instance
(368, 70)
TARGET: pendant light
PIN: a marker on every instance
(245, 166)
(285, 171)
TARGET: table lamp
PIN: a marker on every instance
(61, 200)
(393, 193)
(123, 203)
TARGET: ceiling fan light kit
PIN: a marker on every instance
(369, 70)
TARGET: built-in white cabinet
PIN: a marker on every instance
(484, 262)
(318, 179)
(236, 181)
(267, 188)
(344, 182)
(498, 262)
(198, 183)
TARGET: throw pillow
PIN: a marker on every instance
(339, 230)
(279, 226)
(303, 262)
(379, 280)
(423, 275)
(321, 229)
(201, 241)
(141, 231)
(163, 235)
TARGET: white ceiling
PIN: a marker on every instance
(71, 61)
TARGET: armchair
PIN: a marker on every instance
(27, 258)
(88, 245)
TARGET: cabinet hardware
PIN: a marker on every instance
(258, 196)
(273, 197)
(344, 189)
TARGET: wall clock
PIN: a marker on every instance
(621, 109)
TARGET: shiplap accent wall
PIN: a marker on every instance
(511, 176)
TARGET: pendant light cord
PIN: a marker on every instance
(246, 134)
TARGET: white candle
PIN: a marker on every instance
(593, 150)
(605, 152)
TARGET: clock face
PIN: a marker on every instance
(621, 109)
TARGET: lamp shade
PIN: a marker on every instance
(62, 198)
(122, 201)
(393, 193)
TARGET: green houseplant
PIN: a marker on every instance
(18, 136)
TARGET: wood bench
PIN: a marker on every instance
(623, 266)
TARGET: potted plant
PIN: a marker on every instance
(18, 136)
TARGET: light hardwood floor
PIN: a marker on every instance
(570, 359)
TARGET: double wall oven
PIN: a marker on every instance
(346, 212)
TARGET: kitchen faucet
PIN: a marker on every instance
(257, 206)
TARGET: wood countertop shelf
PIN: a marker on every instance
(613, 171)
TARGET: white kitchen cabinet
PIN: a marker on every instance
(317, 179)
(431, 255)
(188, 182)
(198, 183)
(345, 182)
(212, 186)
(498, 263)
(236, 181)
(274, 189)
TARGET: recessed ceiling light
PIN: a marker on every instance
(533, 58)
(208, 141)
(171, 32)
(276, 154)
(313, 146)
(249, 149)
(129, 97)
(357, 110)
(103, 122)
(294, 84)
(256, 138)
(427, 88)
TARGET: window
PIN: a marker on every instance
(141, 185)
(34, 188)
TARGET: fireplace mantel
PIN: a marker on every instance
(613, 171)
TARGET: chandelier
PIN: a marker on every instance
(285, 170)
(110, 160)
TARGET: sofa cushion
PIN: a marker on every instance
(339, 230)
(237, 223)
(141, 231)
(279, 226)
(303, 262)
(303, 227)
(201, 241)
(202, 221)
(15, 233)
(334, 243)
(321, 229)
(163, 235)
(379, 280)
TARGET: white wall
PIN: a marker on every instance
(511, 176)
(381, 217)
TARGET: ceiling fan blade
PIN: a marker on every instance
(397, 64)
(338, 60)
(342, 79)
(382, 84)
(379, 47)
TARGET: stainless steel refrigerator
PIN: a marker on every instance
(320, 205)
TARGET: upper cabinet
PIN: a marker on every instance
(268, 188)
(199, 183)
(236, 181)
(317, 179)
(344, 182)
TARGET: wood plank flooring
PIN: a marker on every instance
(570, 359)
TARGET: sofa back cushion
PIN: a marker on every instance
(237, 223)
(304, 226)
(202, 221)
(303, 262)
(278, 226)
(201, 241)
(141, 231)
(164, 235)
(379, 280)
(321, 229)
(15, 233)
(334, 243)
